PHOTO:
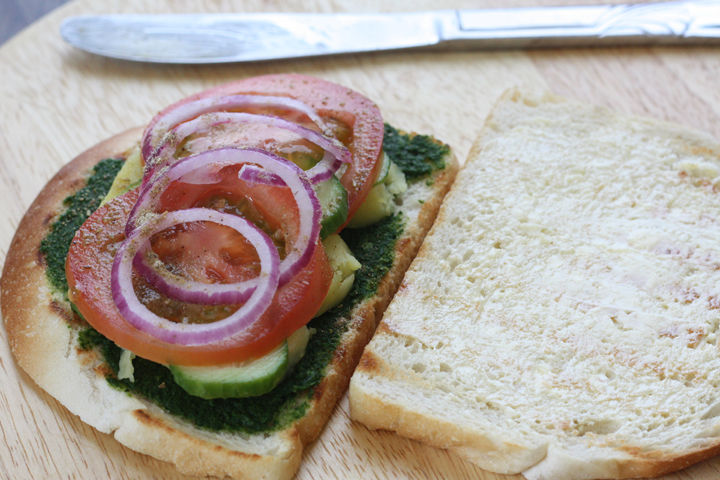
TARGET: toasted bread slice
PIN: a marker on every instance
(561, 318)
(43, 333)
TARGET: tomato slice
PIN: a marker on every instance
(271, 208)
(89, 266)
(355, 120)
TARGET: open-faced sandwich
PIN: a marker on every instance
(203, 288)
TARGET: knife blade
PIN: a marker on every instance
(241, 37)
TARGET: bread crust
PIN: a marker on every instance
(37, 322)
(23, 277)
(366, 317)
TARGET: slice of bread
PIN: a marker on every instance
(43, 333)
(561, 318)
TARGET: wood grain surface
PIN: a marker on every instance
(57, 101)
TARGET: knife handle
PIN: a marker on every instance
(666, 23)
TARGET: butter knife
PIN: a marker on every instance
(241, 37)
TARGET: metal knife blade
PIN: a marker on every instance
(217, 38)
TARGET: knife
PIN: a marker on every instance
(241, 37)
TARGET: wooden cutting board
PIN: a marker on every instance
(56, 101)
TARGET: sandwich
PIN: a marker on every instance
(202, 287)
(560, 319)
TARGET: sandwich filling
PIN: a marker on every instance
(373, 246)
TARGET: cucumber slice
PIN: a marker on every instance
(334, 203)
(380, 202)
(129, 176)
(344, 265)
(304, 160)
(384, 168)
(395, 180)
(244, 379)
(297, 343)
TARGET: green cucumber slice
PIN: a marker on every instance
(334, 203)
(297, 343)
(344, 265)
(384, 168)
(395, 180)
(304, 160)
(129, 176)
(380, 202)
(245, 379)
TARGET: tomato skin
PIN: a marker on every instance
(89, 267)
(331, 101)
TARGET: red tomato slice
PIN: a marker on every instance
(271, 208)
(88, 271)
(206, 252)
(356, 121)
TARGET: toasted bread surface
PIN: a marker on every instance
(43, 332)
(561, 317)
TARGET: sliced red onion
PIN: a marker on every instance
(165, 330)
(253, 174)
(327, 167)
(190, 110)
(290, 174)
(335, 153)
(194, 291)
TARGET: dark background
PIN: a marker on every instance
(18, 14)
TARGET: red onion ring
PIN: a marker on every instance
(188, 111)
(290, 174)
(335, 153)
(165, 330)
(253, 174)
(194, 291)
